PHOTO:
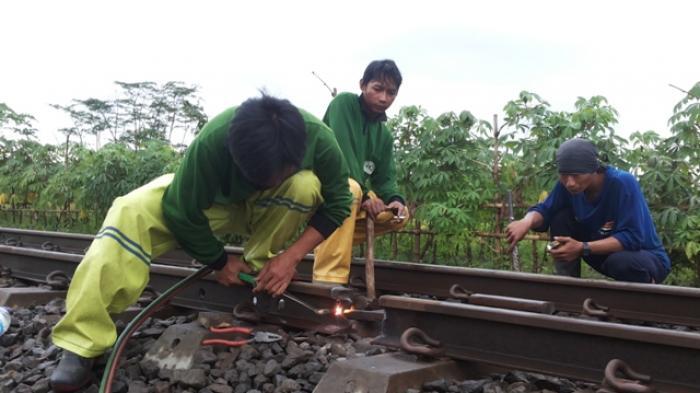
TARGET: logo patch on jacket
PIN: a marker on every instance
(606, 228)
(369, 167)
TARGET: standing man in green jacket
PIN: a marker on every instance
(263, 169)
(368, 146)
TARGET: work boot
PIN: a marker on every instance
(73, 372)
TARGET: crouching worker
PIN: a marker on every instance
(263, 169)
(358, 123)
(598, 213)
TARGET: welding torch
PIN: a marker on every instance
(250, 279)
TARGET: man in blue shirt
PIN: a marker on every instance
(598, 213)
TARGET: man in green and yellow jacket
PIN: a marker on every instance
(358, 123)
(263, 170)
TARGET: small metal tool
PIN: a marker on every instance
(317, 311)
(553, 245)
(260, 337)
(250, 279)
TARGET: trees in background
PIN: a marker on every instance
(669, 172)
(144, 128)
(142, 112)
(454, 168)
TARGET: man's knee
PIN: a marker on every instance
(305, 187)
(628, 266)
(124, 206)
(145, 198)
(131, 211)
(355, 189)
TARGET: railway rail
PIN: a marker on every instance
(598, 298)
(533, 341)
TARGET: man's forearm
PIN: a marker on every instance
(605, 246)
(534, 218)
(305, 244)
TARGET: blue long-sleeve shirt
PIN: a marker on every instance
(619, 211)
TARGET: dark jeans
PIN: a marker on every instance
(634, 266)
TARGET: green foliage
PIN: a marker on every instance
(669, 174)
(452, 167)
(115, 170)
(538, 131)
(141, 124)
(446, 168)
(64, 187)
(441, 166)
(25, 167)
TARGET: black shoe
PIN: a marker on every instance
(73, 372)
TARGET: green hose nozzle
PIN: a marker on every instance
(247, 278)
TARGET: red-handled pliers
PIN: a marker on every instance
(260, 337)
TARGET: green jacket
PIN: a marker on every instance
(208, 175)
(367, 145)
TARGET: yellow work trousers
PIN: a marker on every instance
(115, 269)
(332, 257)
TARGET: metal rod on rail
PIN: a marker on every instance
(515, 255)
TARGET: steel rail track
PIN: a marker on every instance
(206, 295)
(624, 301)
(568, 347)
(573, 348)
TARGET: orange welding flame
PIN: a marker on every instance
(339, 310)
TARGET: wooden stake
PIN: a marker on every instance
(369, 261)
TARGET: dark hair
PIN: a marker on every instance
(266, 137)
(382, 70)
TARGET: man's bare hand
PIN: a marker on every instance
(400, 209)
(275, 277)
(228, 275)
(569, 249)
(373, 206)
(516, 231)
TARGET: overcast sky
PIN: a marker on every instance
(454, 55)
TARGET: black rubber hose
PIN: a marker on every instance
(113, 361)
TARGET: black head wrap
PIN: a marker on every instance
(577, 156)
